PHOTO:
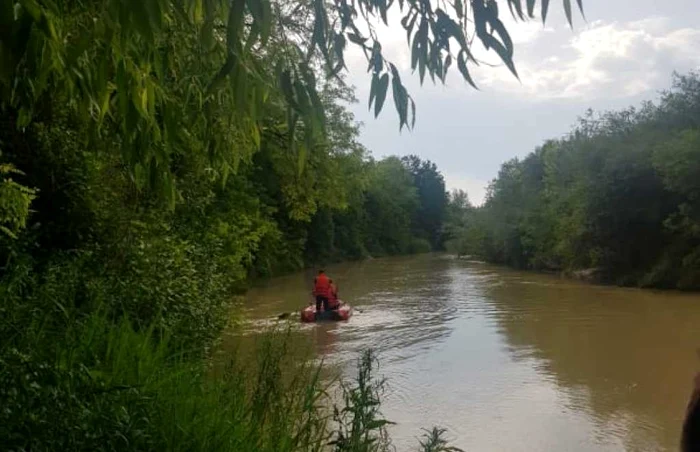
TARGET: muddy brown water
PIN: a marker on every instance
(506, 360)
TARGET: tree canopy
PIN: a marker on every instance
(119, 65)
(619, 197)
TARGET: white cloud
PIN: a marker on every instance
(617, 59)
(600, 60)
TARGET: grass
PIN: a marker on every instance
(113, 387)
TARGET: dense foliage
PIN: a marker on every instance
(135, 204)
(84, 243)
(620, 197)
(155, 155)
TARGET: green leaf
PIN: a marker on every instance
(235, 24)
(446, 67)
(453, 29)
(379, 423)
(462, 66)
(382, 87)
(518, 8)
(155, 15)
(373, 88)
(567, 11)
(415, 52)
(459, 9)
(545, 8)
(339, 49)
(262, 19)
(197, 11)
(531, 8)
(359, 40)
(139, 176)
(382, 10)
(139, 15)
(207, 37)
(319, 36)
(378, 61)
(580, 8)
(302, 97)
(409, 27)
(32, 7)
(413, 114)
(400, 97)
(499, 28)
(288, 88)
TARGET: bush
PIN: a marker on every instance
(418, 245)
(115, 388)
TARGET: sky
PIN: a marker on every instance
(624, 52)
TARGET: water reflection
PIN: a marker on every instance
(625, 356)
(505, 360)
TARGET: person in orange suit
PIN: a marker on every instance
(322, 290)
(333, 302)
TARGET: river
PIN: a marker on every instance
(507, 360)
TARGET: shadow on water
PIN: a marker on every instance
(505, 360)
(625, 357)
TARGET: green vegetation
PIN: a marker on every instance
(155, 156)
(620, 196)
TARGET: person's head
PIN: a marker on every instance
(321, 272)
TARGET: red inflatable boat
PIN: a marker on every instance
(343, 312)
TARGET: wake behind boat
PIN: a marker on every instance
(343, 312)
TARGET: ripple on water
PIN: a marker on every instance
(507, 360)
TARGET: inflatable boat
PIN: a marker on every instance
(343, 312)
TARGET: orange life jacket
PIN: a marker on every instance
(333, 301)
(322, 286)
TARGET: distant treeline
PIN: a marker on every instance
(620, 197)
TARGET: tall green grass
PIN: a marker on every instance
(110, 386)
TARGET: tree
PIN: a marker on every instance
(111, 63)
(432, 198)
(619, 196)
(391, 202)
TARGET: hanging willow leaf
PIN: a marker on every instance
(357, 39)
(265, 21)
(446, 67)
(400, 96)
(545, 9)
(580, 8)
(131, 64)
(373, 88)
(235, 24)
(462, 66)
(413, 114)
(531, 8)
(382, 87)
(288, 88)
(409, 27)
(415, 53)
(516, 9)
(459, 9)
(567, 11)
